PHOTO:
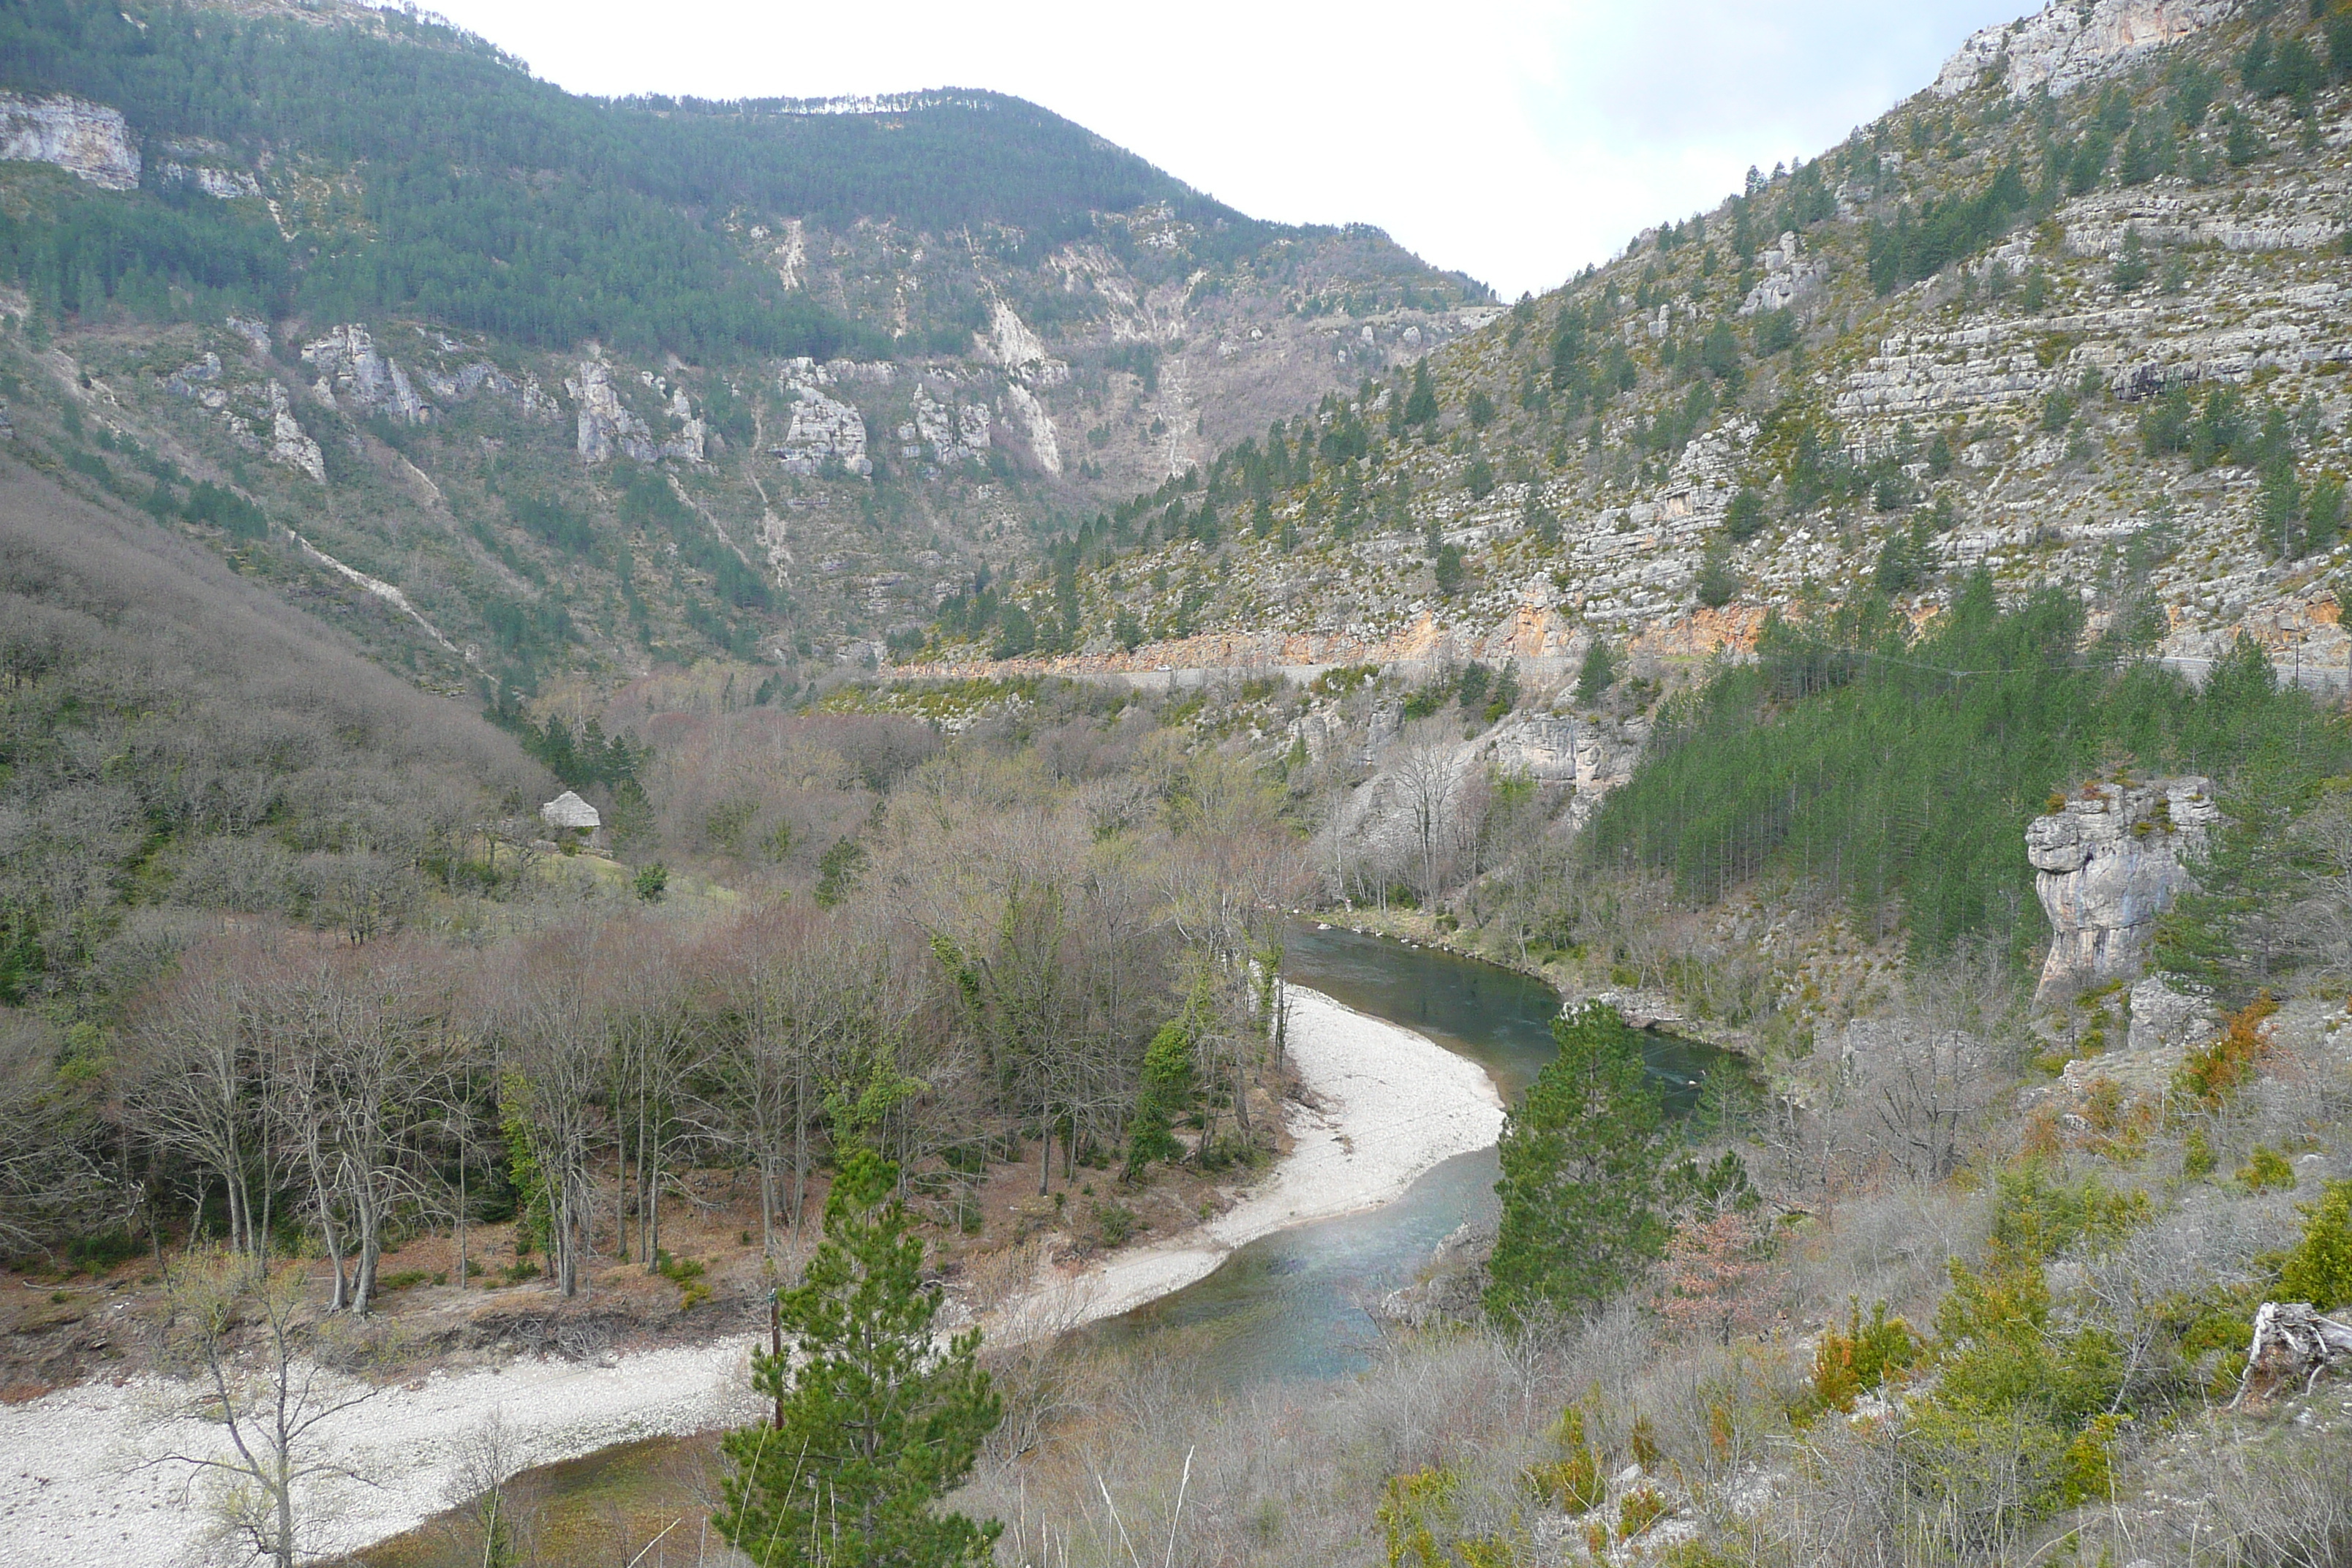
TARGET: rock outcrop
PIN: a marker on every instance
(1789, 272)
(351, 368)
(222, 185)
(2069, 43)
(606, 424)
(823, 429)
(288, 444)
(956, 436)
(2108, 863)
(87, 140)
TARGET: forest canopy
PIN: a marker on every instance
(502, 204)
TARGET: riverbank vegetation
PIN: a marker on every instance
(335, 993)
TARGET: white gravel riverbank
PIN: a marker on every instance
(78, 1488)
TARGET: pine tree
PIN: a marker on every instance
(1421, 408)
(876, 1422)
(1581, 1157)
(1717, 584)
(1597, 674)
(1744, 519)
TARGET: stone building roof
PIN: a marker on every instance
(568, 810)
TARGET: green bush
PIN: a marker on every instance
(1860, 1360)
(2037, 1217)
(1999, 1344)
(2319, 1269)
(2265, 1168)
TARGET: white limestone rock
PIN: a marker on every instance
(605, 424)
(821, 429)
(2108, 864)
(2069, 43)
(89, 141)
(955, 434)
(252, 332)
(1011, 343)
(222, 185)
(190, 380)
(1036, 426)
(350, 366)
(288, 444)
(2162, 1019)
(1789, 272)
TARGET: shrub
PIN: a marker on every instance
(1114, 1223)
(2038, 1218)
(2001, 1346)
(1573, 1484)
(2265, 1168)
(2319, 1269)
(1744, 519)
(1717, 584)
(2211, 1073)
(1642, 1509)
(1412, 1511)
(1862, 1359)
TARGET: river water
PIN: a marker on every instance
(1291, 1306)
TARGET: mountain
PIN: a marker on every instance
(2073, 315)
(602, 386)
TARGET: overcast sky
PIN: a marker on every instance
(1516, 139)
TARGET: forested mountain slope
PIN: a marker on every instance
(2076, 314)
(602, 386)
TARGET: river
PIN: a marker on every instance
(1291, 1306)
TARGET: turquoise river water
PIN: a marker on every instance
(1291, 1306)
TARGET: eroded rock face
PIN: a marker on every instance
(2069, 43)
(823, 429)
(288, 444)
(955, 434)
(87, 140)
(350, 366)
(2107, 865)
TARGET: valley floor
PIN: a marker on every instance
(86, 1483)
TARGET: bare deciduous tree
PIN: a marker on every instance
(243, 1333)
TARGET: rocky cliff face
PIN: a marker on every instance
(2005, 411)
(90, 141)
(2107, 863)
(996, 380)
(2069, 43)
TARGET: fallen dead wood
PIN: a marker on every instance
(2292, 1341)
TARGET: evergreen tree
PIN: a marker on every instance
(1717, 584)
(1421, 407)
(1448, 569)
(1169, 1085)
(876, 1422)
(2132, 265)
(1597, 674)
(1745, 520)
(1582, 1156)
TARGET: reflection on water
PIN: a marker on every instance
(1291, 1305)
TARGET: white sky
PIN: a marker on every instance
(1516, 139)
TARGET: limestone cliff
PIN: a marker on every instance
(2107, 863)
(2023, 399)
(2069, 43)
(88, 139)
